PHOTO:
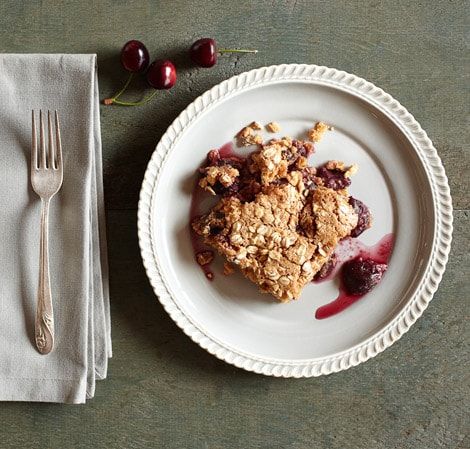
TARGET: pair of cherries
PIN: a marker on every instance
(161, 73)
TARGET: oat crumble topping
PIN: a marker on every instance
(247, 136)
(273, 127)
(316, 133)
(278, 220)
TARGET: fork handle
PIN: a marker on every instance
(44, 326)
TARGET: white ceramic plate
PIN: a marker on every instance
(400, 178)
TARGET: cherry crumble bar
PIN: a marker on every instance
(278, 219)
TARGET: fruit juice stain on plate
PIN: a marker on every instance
(352, 250)
(227, 151)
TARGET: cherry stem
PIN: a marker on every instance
(114, 100)
(236, 50)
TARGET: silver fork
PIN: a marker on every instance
(46, 179)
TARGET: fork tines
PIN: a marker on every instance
(43, 158)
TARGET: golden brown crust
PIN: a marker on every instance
(273, 127)
(284, 235)
(317, 132)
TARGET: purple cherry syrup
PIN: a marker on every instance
(360, 268)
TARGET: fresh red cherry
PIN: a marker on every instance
(134, 56)
(204, 52)
(161, 74)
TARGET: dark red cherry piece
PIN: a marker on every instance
(364, 216)
(334, 179)
(134, 56)
(204, 52)
(161, 74)
(361, 275)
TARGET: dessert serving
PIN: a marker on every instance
(278, 218)
(331, 326)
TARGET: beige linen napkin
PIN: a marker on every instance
(79, 278)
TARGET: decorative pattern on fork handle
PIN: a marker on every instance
(46, 179)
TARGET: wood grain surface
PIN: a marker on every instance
(163, 391)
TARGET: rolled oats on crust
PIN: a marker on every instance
(317, 132)
(279, 240)
(247, 136)
(273, 127)
(224, 174)
(281, 224)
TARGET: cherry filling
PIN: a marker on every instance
(364, 216)
(304, 149)
(360, 269)
(218, 158)
(327, 269)
(361, 275)
(334, 179)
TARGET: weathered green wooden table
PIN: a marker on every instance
(163, 391)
